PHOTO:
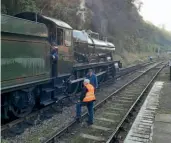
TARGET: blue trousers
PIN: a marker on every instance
(90, 110)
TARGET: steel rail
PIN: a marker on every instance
(133, 105)
(71, 124)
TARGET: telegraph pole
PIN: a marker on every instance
(81, 13)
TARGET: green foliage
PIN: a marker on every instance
(13, 7)
(125, 27)
(61, 9)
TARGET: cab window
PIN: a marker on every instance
(60, 36)
(67, 37)
(52, 35)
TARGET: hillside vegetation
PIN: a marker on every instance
(119, 20)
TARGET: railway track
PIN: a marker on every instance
(26, 119)
(110, 113)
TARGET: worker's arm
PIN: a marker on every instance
(96, 82)
(87, 76)
(83, 93)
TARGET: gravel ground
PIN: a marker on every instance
(38, 133)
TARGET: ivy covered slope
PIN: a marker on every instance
(134, 38)
(65, 10)
(119, 20)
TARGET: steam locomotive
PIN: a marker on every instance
(26, 67)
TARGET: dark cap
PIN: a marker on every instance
(90, 70)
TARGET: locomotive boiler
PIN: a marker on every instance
(91, 49)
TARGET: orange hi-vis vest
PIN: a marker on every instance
(90, 96)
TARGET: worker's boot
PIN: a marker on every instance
(89, 123)
(78, 119)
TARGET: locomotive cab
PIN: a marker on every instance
(59, 33)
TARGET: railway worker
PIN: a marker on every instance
(54, 59)
(93, 79)
(150, 58)
(109, 59)
(87, 98)
(117, 67)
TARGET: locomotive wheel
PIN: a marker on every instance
(22, 103)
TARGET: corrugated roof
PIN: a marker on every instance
(58, 22)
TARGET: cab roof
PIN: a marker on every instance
(41, 18)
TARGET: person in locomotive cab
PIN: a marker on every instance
(87, 98)
(93, 79)
(54, 58)
(51, 37)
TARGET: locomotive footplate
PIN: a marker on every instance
(46, 96)
(91, 65)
